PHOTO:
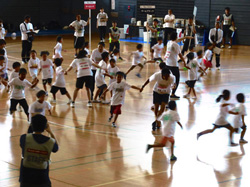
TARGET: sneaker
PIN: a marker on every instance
(89, 104)
(209, 68)
(154, 125)
(243, 141)
(174, 97)
(53, 101)
(138, 75)
(222, 46)
(105, 102)
(11, 112)
(70, 101)
(75, 55)
(20, 108)
(186, 96)
(120, 58)
(72, 104)
(218, 68)
(148, 147)
(23, 62)
(233, 144)
(229, 47)
(110, 118)
(96, 101)
(113, 125)
(173, 158)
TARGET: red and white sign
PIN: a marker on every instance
(89, 5)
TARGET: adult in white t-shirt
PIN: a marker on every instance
(101, 24)
(162, 88)
(79, 25)
(169, 25)
(84, 74)
(26, 27)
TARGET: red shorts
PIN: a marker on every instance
(208, 64)
(165, 139)
(115, 109)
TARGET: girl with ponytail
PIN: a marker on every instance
(221, 120)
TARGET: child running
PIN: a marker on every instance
(58, 48)
(158, 49)
(207, 59)
(100, 79)
(221, 120)
(169, 120)
(137, 60)
(118, 89)
(60, 82)
(192, 65)
(112, 70)
(239, 120)
(18, 95)
(46, 67)
(33, 65)
(39, 107)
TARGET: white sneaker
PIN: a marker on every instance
(53, 101)
(229, 47)
(222, 46)
(89, 104)
(72, 104)
(243, 141)
(70, 101)
(209, 68)
(105, 102)
(186, 96)
(23, 62)
(218, 68)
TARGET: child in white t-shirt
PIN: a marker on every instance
(60, 82)
(33, 65)
(169, 120)
(18, 95)
(239, 120)
(192, 66)
(58, 48)
(115, 54)
(208, 56)
(39, 107)
(112, 70)
(3, 75)
(86, 48)
(118, 89)
(46, 67)
(100, 78)
(158, 49)
(221, 120)
(137, 60)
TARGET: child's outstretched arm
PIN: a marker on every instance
(179, 123)
(145, 84)
(35, 83)
(136, 88)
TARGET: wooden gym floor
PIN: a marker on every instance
(92, 153)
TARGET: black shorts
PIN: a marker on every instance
(191, 83)
(102, 86)
(222, 126)
(153, 41)
(85, 79)
(159, 98)
(54, 90)
(45, 81)
(79, 42)
(114, 44)
(226, 31)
